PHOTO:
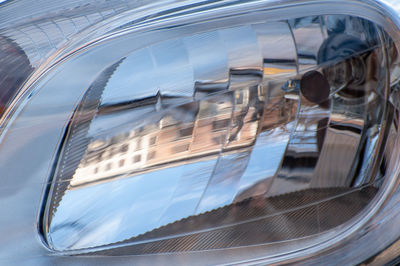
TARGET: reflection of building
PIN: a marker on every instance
(223, 122)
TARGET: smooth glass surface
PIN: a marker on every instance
(246, 135)
(52, 52)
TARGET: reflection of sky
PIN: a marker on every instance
(114, 211)
(132, 79)
(123, 121)
(124, 208)
(223, 184)
(120, 209)
(191, 185)
(265, 158)
(395, 4)
(163, 67)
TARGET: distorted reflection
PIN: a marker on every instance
(245, 136)
(15, 67)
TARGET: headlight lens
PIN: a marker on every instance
(229, 132)
(246, 131)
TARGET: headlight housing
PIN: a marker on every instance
(243, 132)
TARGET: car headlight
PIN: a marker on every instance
(199, 132)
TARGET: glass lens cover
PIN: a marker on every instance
(245, 135)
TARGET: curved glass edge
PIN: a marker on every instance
(97, 219)
(390, 206)
(360, 219)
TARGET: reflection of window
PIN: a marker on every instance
(181, 148)
(121, 163)
(153, 140)
(110, 153)
(218, 140)
(151, 155)
(138, 144)
(186, 132)
(136, 158)
(108, 166)
(124, 148)
(221, 124)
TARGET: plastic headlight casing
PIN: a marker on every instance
(249, 132)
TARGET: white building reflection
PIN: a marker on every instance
(224, 123)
